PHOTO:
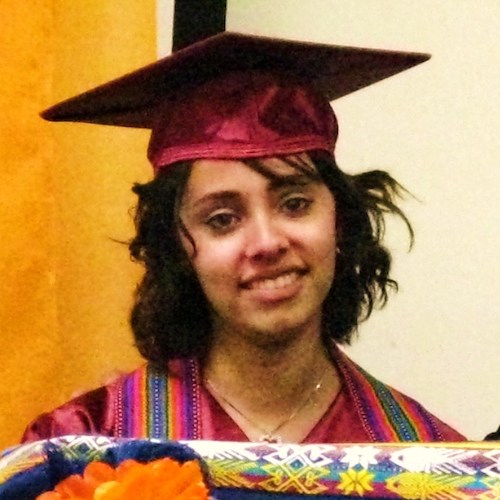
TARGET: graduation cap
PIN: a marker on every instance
(236, 96)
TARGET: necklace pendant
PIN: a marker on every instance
(269, 438)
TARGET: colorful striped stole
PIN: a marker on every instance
(386, 414)
(151, 404)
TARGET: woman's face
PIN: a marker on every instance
(264, 249)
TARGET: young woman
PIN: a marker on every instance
(260, 254)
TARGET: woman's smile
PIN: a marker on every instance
(271, 290)
(280, 281)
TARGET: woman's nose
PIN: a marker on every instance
(266, 238)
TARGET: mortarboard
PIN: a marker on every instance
(236, 96)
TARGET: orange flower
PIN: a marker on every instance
(157, 480)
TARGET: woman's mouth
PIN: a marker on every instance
(275, 288)
(281, 281)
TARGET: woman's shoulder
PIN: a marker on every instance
(85, 414)
(387, 414)
(91, 412)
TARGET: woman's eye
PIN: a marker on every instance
(222, 221)
(297, 205)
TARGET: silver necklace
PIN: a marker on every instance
(268, 435)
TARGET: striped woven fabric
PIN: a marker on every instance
(387, 415)
(152, 404)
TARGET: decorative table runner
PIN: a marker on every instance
(441, 471)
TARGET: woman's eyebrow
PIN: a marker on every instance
(275, 183)
(216, 197)
(294, 180)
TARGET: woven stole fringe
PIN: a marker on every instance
(386, 414)
(151, 404)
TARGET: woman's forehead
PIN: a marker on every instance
(271, 167)
(211, 178)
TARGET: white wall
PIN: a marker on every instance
(435, 128)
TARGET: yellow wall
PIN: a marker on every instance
(64, 197)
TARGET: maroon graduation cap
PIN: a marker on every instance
(236, 96)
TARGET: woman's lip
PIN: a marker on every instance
(283, 287)
(272, 280)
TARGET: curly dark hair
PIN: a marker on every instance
(171, 316)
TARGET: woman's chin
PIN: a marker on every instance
(275, 334)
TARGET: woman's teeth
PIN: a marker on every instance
(275, 283)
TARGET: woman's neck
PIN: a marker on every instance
(268, 384)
